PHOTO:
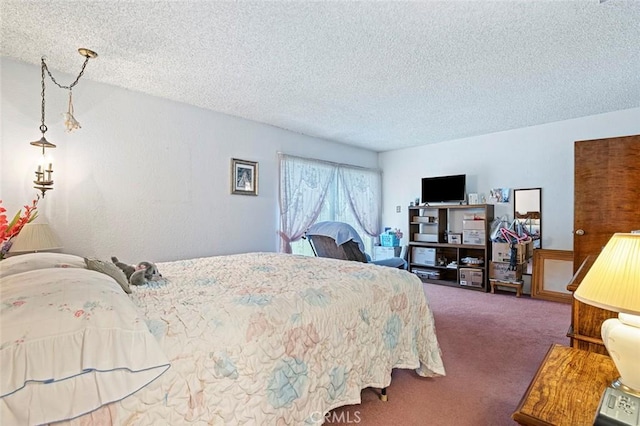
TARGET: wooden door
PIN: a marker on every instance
(606, 201)
(606, 192)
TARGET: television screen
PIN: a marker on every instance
(441, 189)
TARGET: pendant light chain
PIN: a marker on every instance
(43, 127)
(43, 174)
(84, 65)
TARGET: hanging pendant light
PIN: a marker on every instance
(44, 172)
(44, 180)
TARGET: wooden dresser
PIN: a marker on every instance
(586, 320)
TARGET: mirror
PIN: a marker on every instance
(527, 212)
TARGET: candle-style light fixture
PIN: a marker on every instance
(43, 174)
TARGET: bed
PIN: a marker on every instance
(256, 338)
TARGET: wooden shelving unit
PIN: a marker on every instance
(437, 261)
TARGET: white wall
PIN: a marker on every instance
(145, 178)
(539, 156)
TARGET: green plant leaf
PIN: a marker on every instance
(14, 220)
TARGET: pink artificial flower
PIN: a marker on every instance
(8, 230)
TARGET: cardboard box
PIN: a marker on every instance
(473, 224)
(500, 271)
(473, 236)
(501, 252)
(471, 277)
(423, 256)
(529, 249)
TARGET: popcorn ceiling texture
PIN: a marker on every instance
(378, 75)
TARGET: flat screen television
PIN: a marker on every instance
(444, 189)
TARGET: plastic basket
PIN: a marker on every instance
(389, 240)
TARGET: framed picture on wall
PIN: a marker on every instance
(499, 195)
(244, 177)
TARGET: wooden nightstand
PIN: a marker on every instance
(566, 389)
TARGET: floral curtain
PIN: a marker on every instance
(363, 190)
(303, 189)
(304, 184)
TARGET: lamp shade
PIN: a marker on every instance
(613, 282)
(34, 237)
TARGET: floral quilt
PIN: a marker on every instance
(278, 339)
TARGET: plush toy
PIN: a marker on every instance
(138, 274)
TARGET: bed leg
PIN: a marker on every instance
(383, 395)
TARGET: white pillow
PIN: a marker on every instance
(70, 341)
(31, 261)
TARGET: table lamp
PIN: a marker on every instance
(613, 283)
(34, 237)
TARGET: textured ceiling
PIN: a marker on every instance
(379, 75)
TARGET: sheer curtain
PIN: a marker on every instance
(363, 191)
(314, 190)
(303, 189)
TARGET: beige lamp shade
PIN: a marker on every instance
(613, 282)
(34, 237)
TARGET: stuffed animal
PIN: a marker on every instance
(138, 274)
(127, 269)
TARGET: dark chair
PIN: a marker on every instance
(338, 240)
(324, 246)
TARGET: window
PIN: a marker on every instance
(313, 191)
(335, 208)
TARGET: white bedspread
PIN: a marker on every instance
(275, 339)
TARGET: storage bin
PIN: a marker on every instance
(389, 240)
(473, 224)
(423, 256)
(473, 236)
(426, 273)
(454, 238)
(425, 238)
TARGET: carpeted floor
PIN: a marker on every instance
(492, 345)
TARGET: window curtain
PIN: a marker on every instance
(363, 192)
(303, 189)
(304, 185)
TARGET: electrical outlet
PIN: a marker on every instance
(397, 209)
